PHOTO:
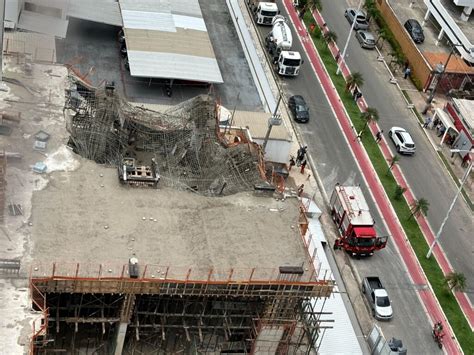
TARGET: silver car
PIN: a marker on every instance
(366, 39)
(358, 16)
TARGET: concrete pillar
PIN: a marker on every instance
(120, 338)
(440, 36)
(125, 315)
(466, 13)
(427, 16)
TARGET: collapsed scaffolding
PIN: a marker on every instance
(184, 141)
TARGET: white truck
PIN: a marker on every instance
(280, 37)
(264, 11)
(378, 298)
(278, 43)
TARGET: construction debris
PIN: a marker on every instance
(139, 176)
(40, 167)
(15, 209)
(183, 141)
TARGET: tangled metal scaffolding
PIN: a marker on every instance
(183, 140)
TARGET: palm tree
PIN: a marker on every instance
(330, 36)
(370, 115)
(313, 5)
(355, 79)
(455, 281)
(420, 206)
(392, 161)
(399, 191)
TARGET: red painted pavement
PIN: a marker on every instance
(433, 309)
(428, 233)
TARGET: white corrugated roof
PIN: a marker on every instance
(168, 39)
(173, 66)
(342, 328)
(154, 21)
(102, 11)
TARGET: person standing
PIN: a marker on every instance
(406, 73)
(427, 122)
(378, 136)
(301, 154)
(303, 165)
(292, 163)
(300, 190)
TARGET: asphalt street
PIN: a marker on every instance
(424, 172)
(335, 163)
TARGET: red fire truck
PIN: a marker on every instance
(351, 214)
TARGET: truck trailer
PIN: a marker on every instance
(352, 216)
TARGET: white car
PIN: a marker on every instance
(402, 140)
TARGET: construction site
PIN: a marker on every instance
(177, 268)
(149, 232)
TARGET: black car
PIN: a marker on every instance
(299, 108)
(414, 29)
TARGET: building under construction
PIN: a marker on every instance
(121, 270)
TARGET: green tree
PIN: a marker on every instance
(399, 191)
(455, 281)
(355, 79)
(392, 161)
(369, 115)
(418, 207)
(330, 36)
(310, 5)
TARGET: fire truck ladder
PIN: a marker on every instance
(347, 201)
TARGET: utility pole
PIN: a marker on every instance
(440, 230)
(2, 18)
(347, 41)
(275, 120)
(440, 70)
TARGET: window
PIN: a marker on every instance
(366, 242)
(383, 301)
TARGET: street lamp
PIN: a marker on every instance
(347, 41)
(274, 120)
(439, 70)
(464, 179)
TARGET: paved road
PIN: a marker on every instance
(423, 172)
(335, 163)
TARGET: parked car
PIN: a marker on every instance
(414, 29)
(402, 140)
(378, 298)
(359, 16)
(366, 39)
(299, 108)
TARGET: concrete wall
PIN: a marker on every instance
(420, 67)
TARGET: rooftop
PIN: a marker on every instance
(161, 227)
(172, 34)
